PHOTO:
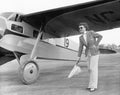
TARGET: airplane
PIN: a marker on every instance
(45, 35)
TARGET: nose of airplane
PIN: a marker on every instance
(2, 26)
(1, 32)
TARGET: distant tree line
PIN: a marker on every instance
(109, 46)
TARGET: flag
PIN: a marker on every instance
(75, 71)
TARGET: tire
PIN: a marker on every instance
(29, 72)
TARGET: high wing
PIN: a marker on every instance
(62, 22)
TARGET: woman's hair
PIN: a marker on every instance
(85, 25)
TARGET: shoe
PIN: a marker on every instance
(92, 89)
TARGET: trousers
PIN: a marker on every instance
(93, 71)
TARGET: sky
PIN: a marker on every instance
(31, 6)
(109, 37)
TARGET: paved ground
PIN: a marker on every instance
(53, 78)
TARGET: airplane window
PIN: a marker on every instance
(17, 28)
(35, 33)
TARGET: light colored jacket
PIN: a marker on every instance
(93, 40)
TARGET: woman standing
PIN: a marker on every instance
(90, 40)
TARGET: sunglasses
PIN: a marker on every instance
(81, 27)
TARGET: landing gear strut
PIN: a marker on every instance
(29, 70)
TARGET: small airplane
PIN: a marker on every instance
(44, 35)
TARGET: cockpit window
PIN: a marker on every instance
(35, 33)
(12, 16)
(17, 28)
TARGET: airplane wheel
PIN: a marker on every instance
(29, 72)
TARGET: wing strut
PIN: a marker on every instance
(32, 56)
(16, 57)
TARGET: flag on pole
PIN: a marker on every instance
(75, 71)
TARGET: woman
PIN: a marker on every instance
(91, 41)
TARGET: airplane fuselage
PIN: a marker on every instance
(18, 36)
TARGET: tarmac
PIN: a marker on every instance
(53, 78)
